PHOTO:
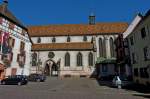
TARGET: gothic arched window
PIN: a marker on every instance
(85, 38)
(68, 39)
(90, 57)
(39, 40)
(34, 59)
(104, 47)
(112, 49)
(53, 40)
(100, 47)
(67, 59)
(79, 59)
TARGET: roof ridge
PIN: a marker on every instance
(77, 24)
(9, 15)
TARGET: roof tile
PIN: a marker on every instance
(77, 29)
(63, 46)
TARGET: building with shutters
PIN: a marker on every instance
(122, 49)
(139, 48)
(15, 45)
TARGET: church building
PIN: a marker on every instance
(75, 49)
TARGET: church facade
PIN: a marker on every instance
(75, 49)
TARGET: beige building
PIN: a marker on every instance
(15, 44)
(139, 46)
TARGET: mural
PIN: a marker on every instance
(21, 58)
(34, 59)
(6, 48)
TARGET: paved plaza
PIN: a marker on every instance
(67, 88)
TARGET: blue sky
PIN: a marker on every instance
(43, 12)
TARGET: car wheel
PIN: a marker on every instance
(3, 82)
(19, 83)
(38, 80)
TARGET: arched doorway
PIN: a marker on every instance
(51, 68)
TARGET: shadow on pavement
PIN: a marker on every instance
(139, 88)
(142, 95)
(107, 83)
(142, 90)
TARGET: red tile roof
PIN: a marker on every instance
(4, 11)
(77, 29)
(63, 46)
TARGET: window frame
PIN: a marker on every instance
(34, 57)
(53, 40)
(131, 40)
(85, 38)
(112, 48)
(100, 41)
(90, 59)
(143, 33)
(22, 46)
(67, 59)
(79, 59)
(136, 72)
(68, 39)
(146, 53)
(133, 58)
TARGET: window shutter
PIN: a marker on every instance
(18, 57)
(11, 26)
(13, 42)
(1, 20)
(11, 58)
(24, 59)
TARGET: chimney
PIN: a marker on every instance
(5, 4)
(92, 19)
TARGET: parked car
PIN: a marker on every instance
(37, 77)
(107, 78)
(121, 81)
(22, 76)
(16, 79)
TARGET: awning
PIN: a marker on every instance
(102, 60)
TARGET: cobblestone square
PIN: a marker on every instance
(67, 88)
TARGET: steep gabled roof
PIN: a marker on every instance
(133, 25)
(77, 29)
(5, 12)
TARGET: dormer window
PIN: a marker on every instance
(68, 39)
(39, 40)
(53, 40)
(85, 38)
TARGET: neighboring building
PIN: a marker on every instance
(75, 49)
(15, 45)
(123, 55)
(139, 46)
(120, 50)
